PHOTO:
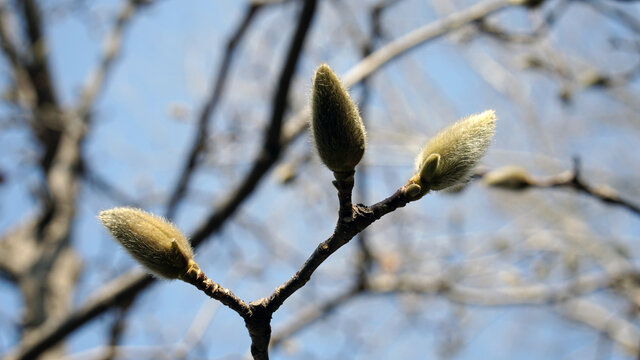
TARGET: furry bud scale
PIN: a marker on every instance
(150, 239)
(337, 128)
(450, 156)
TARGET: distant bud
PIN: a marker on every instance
(338, 131)
(450, 156)
(509, 177)
(151, 240)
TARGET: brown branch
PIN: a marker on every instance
(344, 184)
(344, 232)
(202, 132)
(196, 277)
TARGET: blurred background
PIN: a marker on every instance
(164, 105)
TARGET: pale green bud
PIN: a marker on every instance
(509, 177)
(450, 156)
(151, 240)
(337, 128)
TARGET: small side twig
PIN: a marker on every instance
(196, 277)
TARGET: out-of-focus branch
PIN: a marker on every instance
(621, 331)
(115, 194)
(309, 315)
(197, 329)
(616, 14)
(116, 331)
(112, 294)
(363, 216)
(403, 45)
(22, 87)
(112, 47)
(8, 47)
(202, 132)
(514, 178)
(535, 294)
(47, 123)
(561, 294)
(419, 36)
(564, 295)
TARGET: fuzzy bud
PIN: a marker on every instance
(450, 156)
(151, 240)
(509, 177)
(337, 128)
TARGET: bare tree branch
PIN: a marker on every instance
(112, 47)
(312, 313)
(518, 179)
(621, 331)
(202, 132)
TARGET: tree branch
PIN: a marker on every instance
(344, 232)
(519, 179)
(312, 313)
(259, 323)
(112, 47)
(202, 132)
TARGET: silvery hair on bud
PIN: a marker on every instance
(151, 240)
(459, 147)
(338, 131)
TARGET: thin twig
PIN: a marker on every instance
(196, 277)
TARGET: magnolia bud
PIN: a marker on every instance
(450, 156)
(337, 128)
(509, 177)
(151, 240)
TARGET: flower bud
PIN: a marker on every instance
(150, 239)
(337, 128)
(509, 177)
(450, 156)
